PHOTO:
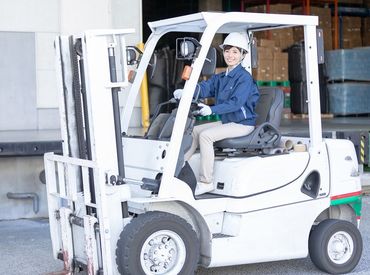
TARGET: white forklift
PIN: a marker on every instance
(125, 204)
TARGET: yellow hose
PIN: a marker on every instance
(144, 96)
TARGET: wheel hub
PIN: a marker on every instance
(162, 252)
(340, 247)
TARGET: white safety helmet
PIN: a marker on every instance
(236, 39)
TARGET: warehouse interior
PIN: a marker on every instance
(344, 78)
(29, 119)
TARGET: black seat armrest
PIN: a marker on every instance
(264, 136)
(269, 134)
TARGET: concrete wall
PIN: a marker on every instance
(45, 19)
(40, 18)
(21, 175)
(33, 104)
(17, 81)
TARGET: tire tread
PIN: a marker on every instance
(319, 237)
(130, 231)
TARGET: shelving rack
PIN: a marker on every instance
(337, 10)
(349, 11)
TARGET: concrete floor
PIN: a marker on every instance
(26, 248)
(328, 124)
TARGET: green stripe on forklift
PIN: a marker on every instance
(354, 199)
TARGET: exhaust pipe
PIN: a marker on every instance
(25, 196)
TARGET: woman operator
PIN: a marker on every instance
(236, 95)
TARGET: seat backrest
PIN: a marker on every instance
(270, 106)
(266, 134)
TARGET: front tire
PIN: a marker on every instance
(157, 243)
(335, 246)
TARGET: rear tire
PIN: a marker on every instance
(157, 243)
(335, 246)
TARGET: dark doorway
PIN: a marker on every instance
(162, 9)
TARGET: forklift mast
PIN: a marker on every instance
(91, 70)
(91, 125)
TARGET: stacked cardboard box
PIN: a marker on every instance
(366, 32)
(276, 8)
(325, 22)
(280, 69)
(351, 32)
(272, 63)
(283, 38)
(353, 2)
(264, 70)
(366, 27)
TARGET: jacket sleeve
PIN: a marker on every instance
(238, 98)
(208, 87)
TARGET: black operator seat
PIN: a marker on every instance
(266, 134)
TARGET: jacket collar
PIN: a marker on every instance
(233, 71)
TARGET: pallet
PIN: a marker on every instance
(273, 83)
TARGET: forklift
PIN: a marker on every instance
(123, 203)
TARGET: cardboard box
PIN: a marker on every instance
(356, 2)
(274, 68)
(261, 75)
(324, 14)
(328, 38)
(283, 37)
(351, 32)
(281, 56)
(275, 8)
(366, 31)
(265, 53)
(265, 64)
(281, 8)
(350, 22)
(261, 35)
(264, 70)
(265, 42)
(280, 66)
(325, 22)
(298, 34)
(348, 43)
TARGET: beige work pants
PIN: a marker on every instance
(205, 135)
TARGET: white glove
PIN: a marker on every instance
(205, 111)
(177, 93)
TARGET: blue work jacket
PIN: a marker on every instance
(236, 96)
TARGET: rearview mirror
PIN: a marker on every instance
(186, 48)
(133, 55)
